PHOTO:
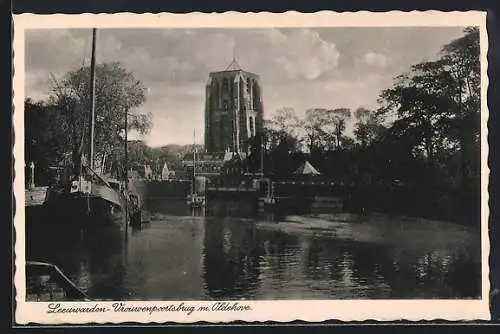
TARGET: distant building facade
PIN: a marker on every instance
(233, 109)
(139, 171)
(213, 165)
(148, 172)
(166, 173)
(206, 164)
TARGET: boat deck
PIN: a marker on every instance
(35, 196)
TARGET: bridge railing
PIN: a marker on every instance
(307, 188)
(229, 187)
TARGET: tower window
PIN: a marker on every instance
(225, 86)
(256, 96)
(252, 130)
(216, 94)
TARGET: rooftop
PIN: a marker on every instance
(234, 66)
(215, 157)
(232, 69)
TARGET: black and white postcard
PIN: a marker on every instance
(251, 166)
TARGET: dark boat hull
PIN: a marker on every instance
(69, 210)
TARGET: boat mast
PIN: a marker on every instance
(194, 153)
(126, 148)
(92, 114)
(92, 101)
(126, 172)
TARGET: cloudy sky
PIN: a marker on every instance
(299, 68)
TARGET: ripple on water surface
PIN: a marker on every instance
(192, 257)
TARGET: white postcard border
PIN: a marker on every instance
(280, 311)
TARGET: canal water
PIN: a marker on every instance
(228, 253)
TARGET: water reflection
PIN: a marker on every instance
(231, 207)
(232, 254)
(185, 254)
(164, 260)
(91, 258)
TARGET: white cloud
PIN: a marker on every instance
(303, 52)
(298, 67)
(375, 59)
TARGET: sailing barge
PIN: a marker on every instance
(88, 197)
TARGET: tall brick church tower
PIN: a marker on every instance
(233, 109)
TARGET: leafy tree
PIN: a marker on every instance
(438, 102)
(462, 64)
(368, 128)
(139, 153)
(433, 141)
(339, 123)
(279, 140)
(284, 128)
(324, 128)
(117, 93)
(171, 154)
(362, 114)
(287, 121)
(347, 143)
(44, 140)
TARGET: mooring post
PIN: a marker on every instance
(32, 175)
